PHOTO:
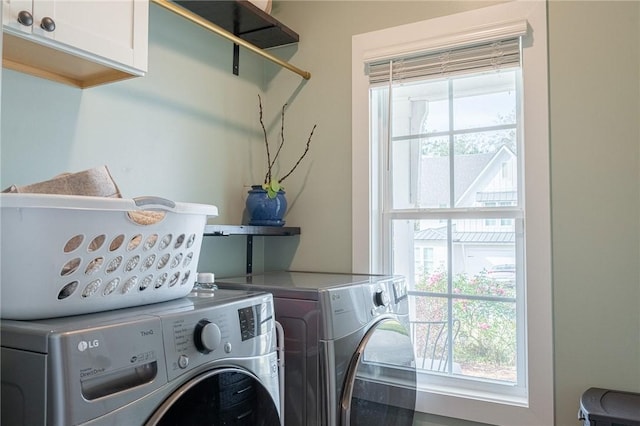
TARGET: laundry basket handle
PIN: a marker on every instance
(150, 201)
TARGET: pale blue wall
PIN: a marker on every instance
(595, 151)
(187, 131)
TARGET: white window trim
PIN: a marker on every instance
(538, 409)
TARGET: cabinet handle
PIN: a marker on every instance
(47, 24)
(25, 18)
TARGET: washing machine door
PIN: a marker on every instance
(227, 396)
(380, 385)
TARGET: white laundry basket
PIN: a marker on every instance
(65, 255)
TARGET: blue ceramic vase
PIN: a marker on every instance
(265, 211)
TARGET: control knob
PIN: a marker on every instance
(380, 298)
(206, 336)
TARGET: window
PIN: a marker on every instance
(443, 171)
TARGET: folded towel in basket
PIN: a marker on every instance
(146, 217)
(96, 182)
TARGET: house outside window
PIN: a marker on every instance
(448, 155)
(425, 263)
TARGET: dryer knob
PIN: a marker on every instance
(206, 336)
(380, 298)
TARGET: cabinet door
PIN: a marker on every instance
(114, 30)
(112, 33)
(11, 10)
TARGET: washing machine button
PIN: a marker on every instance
(227, 347)
(183, 361)
(206, 336)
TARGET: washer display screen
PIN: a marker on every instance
(254, 321)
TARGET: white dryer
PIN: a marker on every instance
(349, 359)
(205, 359)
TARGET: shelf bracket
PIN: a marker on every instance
(236, 59)
(236, 52)
(249, 258)
(196, 19)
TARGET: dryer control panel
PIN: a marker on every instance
(387, 296)
(349, 308)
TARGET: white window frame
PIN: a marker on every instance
(476, 25)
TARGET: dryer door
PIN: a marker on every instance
(227, 396)
(380, 386)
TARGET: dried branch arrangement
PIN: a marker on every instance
(272, 184)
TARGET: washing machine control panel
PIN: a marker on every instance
(237, 329)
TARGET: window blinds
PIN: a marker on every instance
(487, 56)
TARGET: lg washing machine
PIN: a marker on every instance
(209, 358)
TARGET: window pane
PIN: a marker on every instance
(485, 169)
(421, 173)
(434, 173)
(485, 345)
(430, 334)
(484, 100)
(484, 258)
(420, 108)
(431, 309)
(427, 241)
(404, 157)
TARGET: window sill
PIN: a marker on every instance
(481, 396)
(476, 406)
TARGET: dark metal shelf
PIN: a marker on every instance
(250, 232)
(225, 230)
(246, 21)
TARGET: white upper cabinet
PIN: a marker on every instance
(78, 42)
